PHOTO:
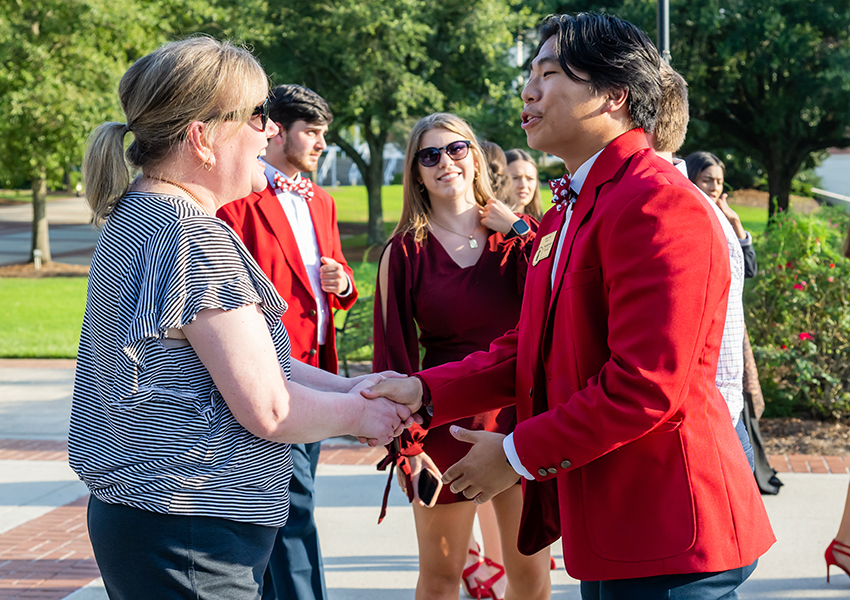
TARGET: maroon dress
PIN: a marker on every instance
(457, 311)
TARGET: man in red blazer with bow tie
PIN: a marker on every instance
(624, 444)
(290, 228)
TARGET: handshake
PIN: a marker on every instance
(390, 402)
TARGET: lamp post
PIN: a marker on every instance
(664, 29)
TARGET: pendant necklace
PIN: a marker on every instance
(180, 187)
(473, 243)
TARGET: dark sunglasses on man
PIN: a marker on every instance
(429, 157)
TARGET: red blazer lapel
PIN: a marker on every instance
(613, 159)
(270, 206)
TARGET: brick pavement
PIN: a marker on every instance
(50, 557)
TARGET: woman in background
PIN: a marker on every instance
(708, 173)
(451, 278)
(524, 183)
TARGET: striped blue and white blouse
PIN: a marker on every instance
(149, 429)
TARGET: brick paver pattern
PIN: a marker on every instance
(50, 557)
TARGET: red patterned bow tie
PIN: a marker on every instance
(562, 193)
(303, 187)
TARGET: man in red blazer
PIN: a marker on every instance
(290, 228)
(623, 442)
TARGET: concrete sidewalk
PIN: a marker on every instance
(44, 549)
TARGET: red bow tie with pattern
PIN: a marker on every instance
(303, 187)
(562, 194)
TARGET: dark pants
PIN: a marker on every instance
(143, 555)
(295, 567)
(689, 586)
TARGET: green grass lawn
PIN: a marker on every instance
(753, 218)
(41, 318)
(352, 203)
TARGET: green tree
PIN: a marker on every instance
(383, 63)
(771, 78)
(60, 61)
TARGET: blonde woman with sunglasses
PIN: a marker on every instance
(450, 282)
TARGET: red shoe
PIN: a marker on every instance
(485, 588)
(468, 579)
(835, 547)
(552, 565)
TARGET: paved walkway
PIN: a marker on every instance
(45, 552)
(72, 237)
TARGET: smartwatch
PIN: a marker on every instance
(519, 228)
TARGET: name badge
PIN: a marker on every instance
(545, 248)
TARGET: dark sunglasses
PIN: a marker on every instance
(429, 157)
(263, 111)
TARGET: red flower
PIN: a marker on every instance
(799, 286)
(784, 347)
(806, 336)
(830, 279)
(788, 265)
(831, 265)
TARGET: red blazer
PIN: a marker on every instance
(261, 223)
(636, 462)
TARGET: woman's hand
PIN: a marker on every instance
(497, 216)
(381, 420)
(418, 463)
(732, 216)
(355, 381)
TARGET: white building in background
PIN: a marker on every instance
(334, 162)
(835, 172)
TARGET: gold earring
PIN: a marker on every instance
(475, 176)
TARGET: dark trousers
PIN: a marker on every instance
(295, 567)
(143, 555)
(689, 586)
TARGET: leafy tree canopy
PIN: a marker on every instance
(768, 78)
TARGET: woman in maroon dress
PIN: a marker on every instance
(451, 278)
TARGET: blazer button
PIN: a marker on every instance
(312, 313)
(312, 352)
(566, 464)
(542, 472)
(553, 470)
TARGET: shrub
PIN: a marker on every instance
(798, 315)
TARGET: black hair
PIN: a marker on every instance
(697, 162)
(615, 54)
(290, 103)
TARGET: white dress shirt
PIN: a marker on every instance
(298, 214)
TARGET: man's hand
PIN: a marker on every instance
(484, 472)
(405, 391)
(334, 279)
(381, 419)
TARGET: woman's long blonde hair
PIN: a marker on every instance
(197, 79)
(416, 204)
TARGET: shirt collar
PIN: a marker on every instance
(577, 180)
